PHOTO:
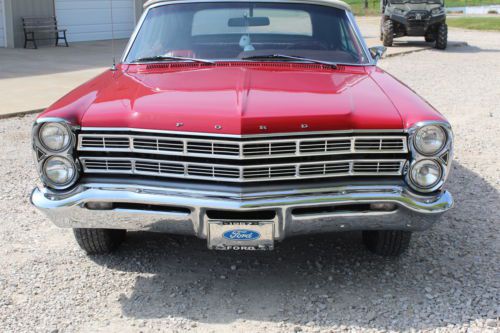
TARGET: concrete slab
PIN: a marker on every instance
(34, 79)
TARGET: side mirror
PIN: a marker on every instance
(377, 52)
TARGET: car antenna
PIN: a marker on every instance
(113, 67)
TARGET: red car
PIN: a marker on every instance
(244, 123)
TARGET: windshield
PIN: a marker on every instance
(235, 31)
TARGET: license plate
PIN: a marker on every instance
(240, 235)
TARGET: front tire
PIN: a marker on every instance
(388, 33)
(388, 243)
(442, 37)
(99, 241)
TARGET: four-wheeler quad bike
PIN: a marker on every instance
(414, 18)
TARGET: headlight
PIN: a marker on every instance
(429, 140)
(436, 11)
(59, 171)
(426, 173)
(55, 136)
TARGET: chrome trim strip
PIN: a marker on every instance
(330, 3)
(241, 136)
(361, 40)
(185, 173)
(184, 147)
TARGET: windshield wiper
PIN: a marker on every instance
(289, 57)
(171, 58)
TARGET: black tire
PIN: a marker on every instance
(442, 37)
(388, 33)
(430, 39)
(389, 243)
(99, 241)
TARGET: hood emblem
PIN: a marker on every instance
(218, 127)
(263, 127)
(304, 126)
(179, 124)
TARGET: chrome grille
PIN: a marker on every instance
(106, 142)
(242, 173)
(156, 144)
(326, 146)
(242, 159)
(227, 149)
(384, 144)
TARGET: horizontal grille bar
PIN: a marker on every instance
(216, 148)
(232, 173)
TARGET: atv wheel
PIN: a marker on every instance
(388, 33)
(389, 243)
(99, 241)
(442, 36)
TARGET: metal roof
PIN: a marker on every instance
(332, 3)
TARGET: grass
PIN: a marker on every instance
(476, 23)
(358, 6)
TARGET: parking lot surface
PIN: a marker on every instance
(448, 281)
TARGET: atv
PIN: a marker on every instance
(414, 18)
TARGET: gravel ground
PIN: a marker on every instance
(448, 281)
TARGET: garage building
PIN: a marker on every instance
(85, 20)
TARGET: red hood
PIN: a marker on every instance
(233, 100)
(240, 100)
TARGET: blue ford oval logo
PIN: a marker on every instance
(241, 235)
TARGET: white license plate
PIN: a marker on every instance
(240, 235)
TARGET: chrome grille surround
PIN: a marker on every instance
(233, 173)
(242, 150)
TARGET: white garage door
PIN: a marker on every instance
(91, 19)
(2, 24)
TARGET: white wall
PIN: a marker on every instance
(2, 24)
(91, 19)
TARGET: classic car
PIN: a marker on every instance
(244, 123)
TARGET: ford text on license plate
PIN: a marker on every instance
(240, 235)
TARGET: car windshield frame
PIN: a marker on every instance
(366, 58)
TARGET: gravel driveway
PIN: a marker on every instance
(448, 281)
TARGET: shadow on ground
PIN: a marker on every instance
(329, 279)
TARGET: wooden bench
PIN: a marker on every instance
(34, 26)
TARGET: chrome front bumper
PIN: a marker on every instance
(185, 211)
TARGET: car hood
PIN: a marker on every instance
(242, 100)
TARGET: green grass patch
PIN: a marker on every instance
(469, 3)
(359, 6)
(476, 23)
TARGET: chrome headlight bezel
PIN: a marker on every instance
(66, 140)
(419, 145)
(443, 156)
(42, 153)
(432, 186)
(48, 181)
